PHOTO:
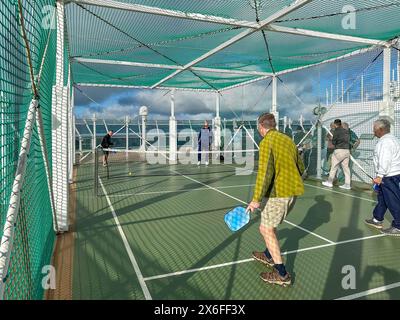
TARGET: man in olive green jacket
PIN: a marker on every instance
(279, 181)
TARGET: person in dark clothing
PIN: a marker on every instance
(105, 144)
(341, 155)
(204, 142)
(354, 142)
(330, 147)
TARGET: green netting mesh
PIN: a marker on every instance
(373, 19)
(234, 9)
(34, 237)
(206, 80)
(112, 34)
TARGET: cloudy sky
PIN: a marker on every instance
(298, 94)
(295, 97)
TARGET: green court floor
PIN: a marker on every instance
(159, 234)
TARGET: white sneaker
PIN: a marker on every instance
(206, 163)
(345, 186)
(327, 184)
(198, 163)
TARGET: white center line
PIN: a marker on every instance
(321, 188)
(172, 274)
(338, 192)
(135, 265)
(241, 201)
(176, 191)
(370, 291)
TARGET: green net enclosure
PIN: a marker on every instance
(34, 236)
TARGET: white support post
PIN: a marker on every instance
(74, 139)
(217, 123)
(43, 145)
(158, 136)
(143, 112)
(127, 133)
(71, 131)
(80, 146)
(173, 142)
(94, 141)
(319, 150)
(274, 108)
(386, 109)
(60, 132)
(331, 94)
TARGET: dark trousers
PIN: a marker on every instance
(389, 198)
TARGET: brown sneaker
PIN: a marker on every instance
(274, 277)
(261, 257)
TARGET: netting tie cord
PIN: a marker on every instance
(27, 48)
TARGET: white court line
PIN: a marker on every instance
(172, 274)
(128, 248)
(316, 187)
(314, 234)
(342, 193)
(370, 291)
(241, 201)
(177, 191)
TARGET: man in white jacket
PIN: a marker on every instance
(387, 169)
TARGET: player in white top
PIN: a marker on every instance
(387, 172)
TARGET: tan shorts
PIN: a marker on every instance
(275, 211)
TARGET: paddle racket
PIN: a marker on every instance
(237, 218)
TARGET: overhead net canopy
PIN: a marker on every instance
(216, 44)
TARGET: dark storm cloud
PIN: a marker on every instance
(98, 94)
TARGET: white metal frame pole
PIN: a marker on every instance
(274, 108)
(319, 149)
(15, 199)
(398, 70)
(43, 145)
(144, 131)
(127, 133)
(60, 132)
(173, 143)
(94, 142)
(217, 123)
(387, 107)
(71, 140)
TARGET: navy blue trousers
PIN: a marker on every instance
(389, 198)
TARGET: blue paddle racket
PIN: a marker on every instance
(237, 218)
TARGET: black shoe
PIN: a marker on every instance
(372, 223)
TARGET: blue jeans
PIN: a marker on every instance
(389, 198)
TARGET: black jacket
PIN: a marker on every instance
(341, 138)
(106, 142)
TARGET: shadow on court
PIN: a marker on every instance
(318, 214)
(341, 257)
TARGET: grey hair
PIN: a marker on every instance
(345, 125)
(383, 124)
